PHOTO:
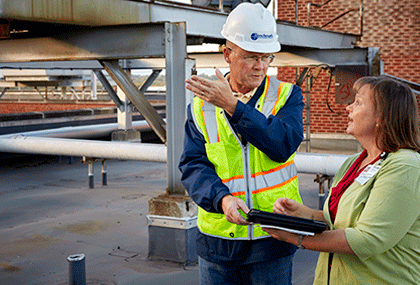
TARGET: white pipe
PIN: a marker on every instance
(88, 148)
(85, 132)
(319, 163)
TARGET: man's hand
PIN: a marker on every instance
(230, 207)
(217, 93)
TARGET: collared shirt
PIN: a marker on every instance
(244, 98)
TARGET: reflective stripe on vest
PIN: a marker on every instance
(247, 172)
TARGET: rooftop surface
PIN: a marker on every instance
(48, 212)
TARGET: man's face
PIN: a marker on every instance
(245, 73)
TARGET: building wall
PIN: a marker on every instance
(14, 107)
(391, 25)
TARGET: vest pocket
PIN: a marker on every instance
(225, 159)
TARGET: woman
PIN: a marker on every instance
(373, 209)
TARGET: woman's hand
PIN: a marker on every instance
(282, 235)
(290, 207)
(286, 206)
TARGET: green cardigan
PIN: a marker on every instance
(382, 224)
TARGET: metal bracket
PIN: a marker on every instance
(172, 222)
(321, 178)
(90, 161)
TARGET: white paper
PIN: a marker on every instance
(288, 230)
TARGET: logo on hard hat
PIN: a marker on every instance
(256, 36)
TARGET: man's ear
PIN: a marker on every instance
(226, 55)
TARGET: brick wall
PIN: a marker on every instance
(392, 25)
(15, 107)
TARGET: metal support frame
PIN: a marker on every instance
(88, 44)
(3, 91)
(104, 173)
(109, 89)
(299, 81)
(163, 40)
(150, 80)
(93, 88)
(91, 171)
(302, 76)
(136, 97)
(125, 117)
(308, 112)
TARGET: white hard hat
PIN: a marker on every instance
(252, 28)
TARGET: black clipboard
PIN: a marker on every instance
(284, 222)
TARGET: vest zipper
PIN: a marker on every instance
(247, 176)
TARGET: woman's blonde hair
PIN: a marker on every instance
(397, 107)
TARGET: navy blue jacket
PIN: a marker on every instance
(277, 136)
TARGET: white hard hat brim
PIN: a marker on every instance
(260, 47)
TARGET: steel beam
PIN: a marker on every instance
(89, 44)
(289, 34)
(176, 55)
(109, 89)
(133, 12)
(150, 80)
(136, 97)
(330, 57)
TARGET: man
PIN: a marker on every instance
(241, 135)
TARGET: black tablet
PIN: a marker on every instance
(286, 222)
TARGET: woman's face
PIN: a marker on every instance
(363, 118)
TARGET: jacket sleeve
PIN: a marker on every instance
(277, 136)
(198, 174)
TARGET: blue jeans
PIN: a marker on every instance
(278, 271)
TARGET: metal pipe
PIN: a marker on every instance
(85, 132)
(77, 269)
(104, 172)
(88, 148)
(90, 174)
(319, 163)
(306, 162)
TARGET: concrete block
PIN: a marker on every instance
(173, 239)
(126, 136)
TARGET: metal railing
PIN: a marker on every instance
(339, 16)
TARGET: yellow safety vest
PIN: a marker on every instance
(248, 173)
